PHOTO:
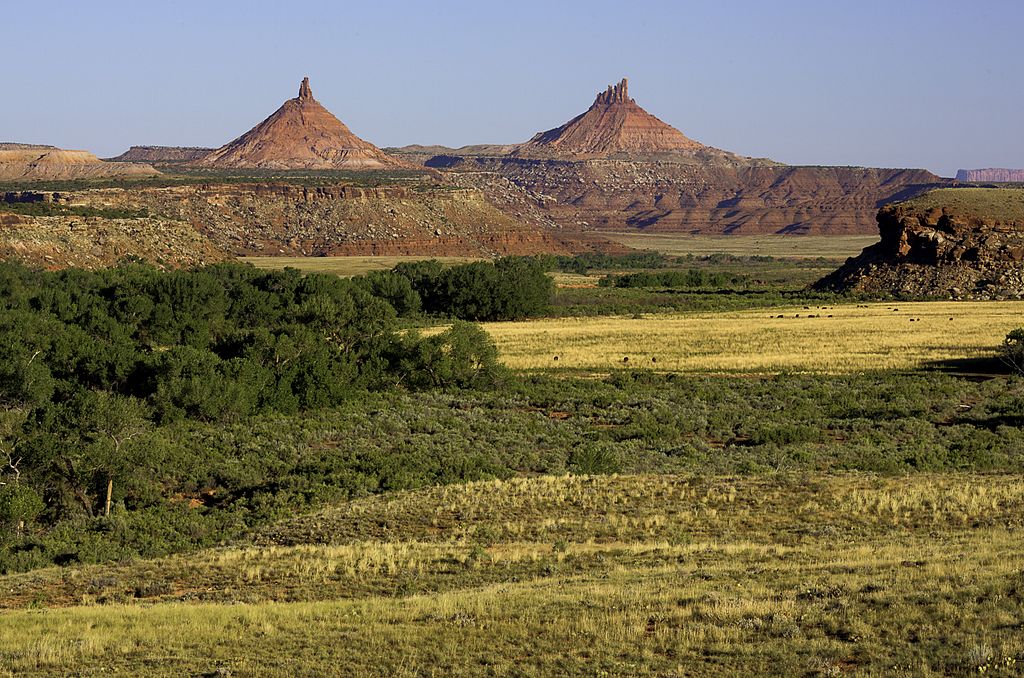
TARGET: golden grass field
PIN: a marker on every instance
(618, 576)
(780, 246)
(837, 339)
(344, 266)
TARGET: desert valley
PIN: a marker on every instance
(607, 401)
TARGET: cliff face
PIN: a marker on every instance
(302, 134)
(953, 243)
(994, 176)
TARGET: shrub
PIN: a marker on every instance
(1012, 350)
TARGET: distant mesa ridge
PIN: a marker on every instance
(993, 175)
(33, 162)
(163, 154)
(302, 134)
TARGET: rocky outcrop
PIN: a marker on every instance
(992, 176)
(163, 154)
(27, 163)
(302, 134)
(952, 243)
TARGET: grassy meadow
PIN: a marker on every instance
(832, 339)
(615, 575)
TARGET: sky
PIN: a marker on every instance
(937, 84)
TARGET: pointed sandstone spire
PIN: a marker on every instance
(302, 134)
(613, 127)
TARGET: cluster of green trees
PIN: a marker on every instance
(90, 362)
(50, 209)
(511, 288)
(689, 279)
(584, 263)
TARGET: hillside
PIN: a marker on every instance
(188, 223)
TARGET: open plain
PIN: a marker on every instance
(845, 337)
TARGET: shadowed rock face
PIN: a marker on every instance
(302, 134)
(928, 249)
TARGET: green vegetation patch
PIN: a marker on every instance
(44, 209)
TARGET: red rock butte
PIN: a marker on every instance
(302, 134)
(613, 127)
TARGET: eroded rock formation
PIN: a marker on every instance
(302, 134)
(952, 243)
(616, 127)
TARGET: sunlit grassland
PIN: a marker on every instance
(345, 266)
(640, 575)
(1001, 204)
(781, 246)
(829, 339)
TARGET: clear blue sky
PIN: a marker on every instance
(898, 83)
